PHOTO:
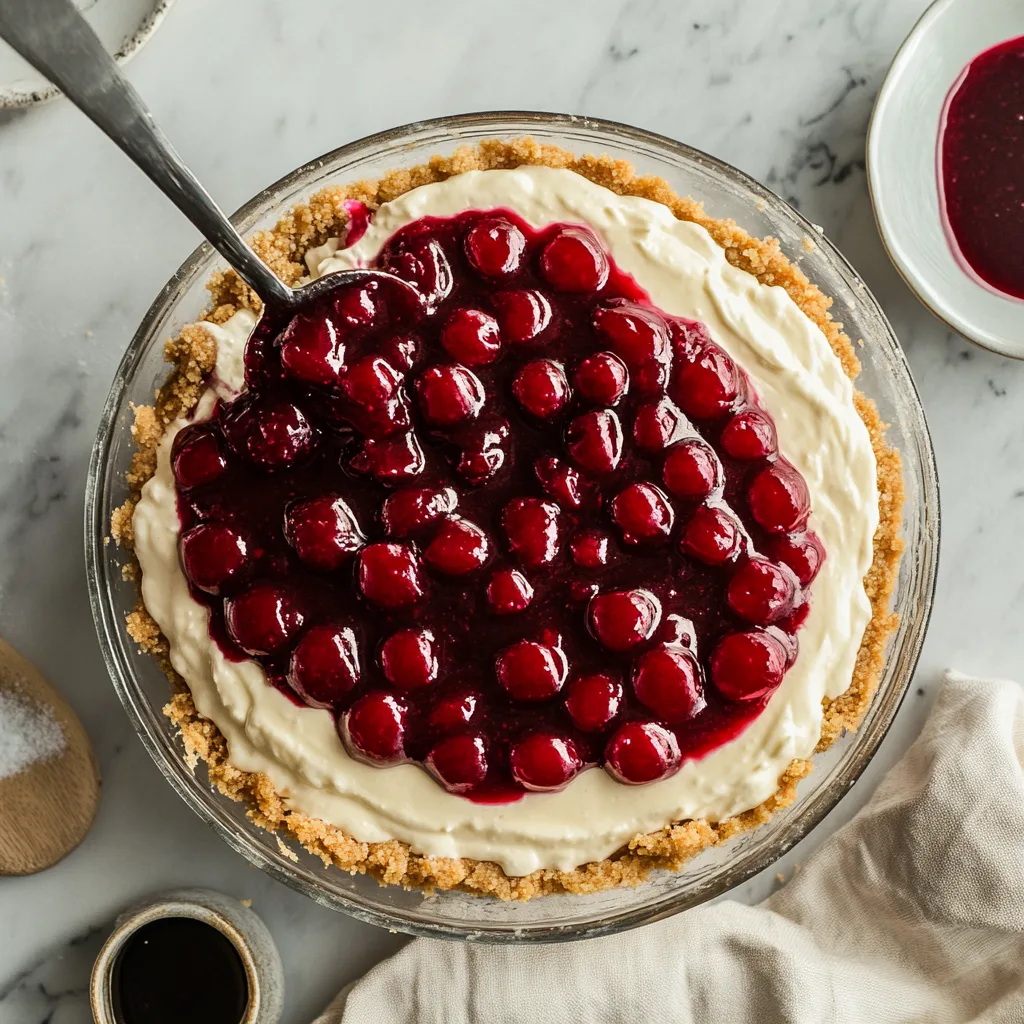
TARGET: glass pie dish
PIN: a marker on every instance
(144, 689)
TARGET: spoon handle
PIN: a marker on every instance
(56, 40)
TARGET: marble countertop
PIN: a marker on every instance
(782, 89)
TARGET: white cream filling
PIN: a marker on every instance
(804, 388)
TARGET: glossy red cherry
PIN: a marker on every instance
(595, 440)
(214, 555)
(667, 680)
(778, 498)
(708, 386)
(409, 658)
(269, 433)
(454, 711)
(593, 701)
(263, 620)
(643, 513)
(637, 333)
(761, 591)
(374, 387)
(747, 666)
(562, 482)
(459, 762)
(532, 528)
(312, 350)
(471, 337)
(802, 552)
(712, 536)
(356, 305)
(642, 752)
(495, 247)
(458, 547)
(478, 464)
(691, 470)
(424, 265)
(324, 667)
(508, 592)
(590, 549)
(323, 531)
(689, 338)
(450, 395)
(544, 762)
(531, 671)
(623, 618)
(574, 261)
(197, 457)
(391, 460)
(413, 508)
(541, 389)
(374, 728)
(522, 315)
(602, 378)
(389, 575)
(749, 435)
(658, 424)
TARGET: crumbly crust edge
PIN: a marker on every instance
(193, 353)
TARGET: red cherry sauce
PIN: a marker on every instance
(981, 168)
(536, 479)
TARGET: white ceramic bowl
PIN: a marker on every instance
(902, 167)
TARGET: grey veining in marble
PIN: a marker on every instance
(249, 89)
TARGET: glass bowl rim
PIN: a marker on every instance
(106, 620)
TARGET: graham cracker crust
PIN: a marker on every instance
(192, 355)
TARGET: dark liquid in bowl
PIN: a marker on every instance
(179, 969)
(981, 167)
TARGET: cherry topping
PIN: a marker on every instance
(408, 658)
(544, 762)
(324, 667)
(712, 536)
(667, 680)
(471, 337)
(197, 457)
(356, 306)
(509, 591)
(746, 666)
(264, 619)
(643, 513)
(412, 508)
(495, 246)
(374, 728)
(749, 435)
(522, 314)
(692, 469)
(357, 223)
(778, 498)
(454, 711)
(708, 386)
(562, 482)
(658, 424)
(540, 388)
(530, 671)
(450, 395)
(269, 433)
(312, 350)
(602, 378)
(575, 261)
(761, 591)
(638, 334)
(595, 440)
(641, 752)
(373, 386)
(590, 549)
(458, 547)
(802, 552)
(323, 531)
(213, 555)
(389, 575)
(532, 529)
(459, 762)
(624, 618)
(424, 265)
(593, 701)
(477, 465)
(393, 460)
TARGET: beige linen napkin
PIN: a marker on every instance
(914, 911)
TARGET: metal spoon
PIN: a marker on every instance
(55, 39)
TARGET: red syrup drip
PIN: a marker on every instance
(981, 168)
(405, 517)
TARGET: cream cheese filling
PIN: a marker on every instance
(803, 386)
